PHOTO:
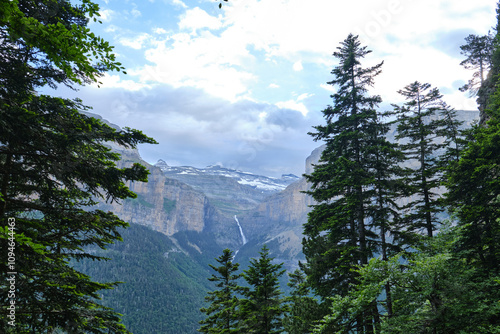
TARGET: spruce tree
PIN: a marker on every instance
(262, 308)
(420, 128)
(222, 313)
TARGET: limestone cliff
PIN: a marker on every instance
(170, 206)
(278, 220)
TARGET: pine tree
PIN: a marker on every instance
(479, 50)
(420, 128)
(263, 307)
(489, 85)
(222, 313)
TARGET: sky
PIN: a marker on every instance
(242, 86)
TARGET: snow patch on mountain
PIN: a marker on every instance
(263, 183)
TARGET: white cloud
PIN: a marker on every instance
(329, 88)
(206, 61)
(304, 96)
(111, 28)
(106, 15)
(159, 31)
(197, 18)
(254, 24)
(135, 42)
(114, 81)
(294, 105)
(297, 66)
(223, 55)
(179, 3)
(135, 12)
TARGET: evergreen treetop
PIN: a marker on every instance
(262, 308)
(222, 313)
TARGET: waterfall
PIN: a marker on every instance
(235, 253)
(243, 239)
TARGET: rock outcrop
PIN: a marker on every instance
(170, 206)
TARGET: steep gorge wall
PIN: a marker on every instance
(170, 206)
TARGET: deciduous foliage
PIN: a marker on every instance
(433, 291)
(55, 32)
(55, 165)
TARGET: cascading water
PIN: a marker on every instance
(243, 238)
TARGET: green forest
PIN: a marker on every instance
(404, 238)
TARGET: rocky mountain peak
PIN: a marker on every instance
(161, 164)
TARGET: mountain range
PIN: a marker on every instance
(188, 216)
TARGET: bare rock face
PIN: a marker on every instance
(278, 220)
(169, 206)
(290, 205)
(313, 159)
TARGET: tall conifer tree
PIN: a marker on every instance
(304, 310)
(479, 50)
(420, 128)
(54, 166)
(338, 235)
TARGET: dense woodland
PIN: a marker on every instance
(379, 256)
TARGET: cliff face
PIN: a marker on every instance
(291, 205)
(231, 191)
(278, 220)
(170, 206)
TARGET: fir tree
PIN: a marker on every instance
(340, 179)
(388, 188)
(222, 313)
(420, 128)
(263, 307)
(474, 190)
(338, 237)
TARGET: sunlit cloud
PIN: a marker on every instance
(297, 66)
(136, 42)
(197, 18)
